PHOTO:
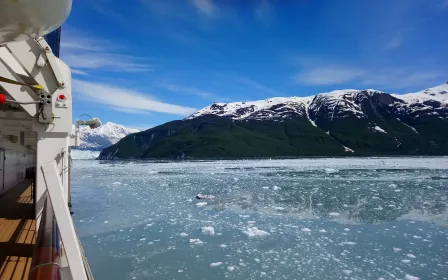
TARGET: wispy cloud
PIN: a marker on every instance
(327, 75)
(84, 52)
(394, 42)
(125, 100)
(190, 90)
(205, 7)
(443, 4)
(258, 86)
(79, 72)
(264, 11)
(315, 72)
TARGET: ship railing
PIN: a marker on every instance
(58, 253)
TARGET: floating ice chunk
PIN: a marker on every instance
(275, 188)
(347, 243)
(208, 230)
(322, 230)
(223, 246)
(265, 188)
(397, 249)
(230, 268)
(200, 204)
(183, 234)
(331, 170)
(348, 272)
(106, 222)
(196, 242)
(411, 256)
(410, 277)
(180, 271)
(149, 225)
(306, 230)
(142, 239)
(215, 264)
(405, 261)
(255, 232)
(333, 214)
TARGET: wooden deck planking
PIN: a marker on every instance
(17, 232)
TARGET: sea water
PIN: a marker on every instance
(325, 218)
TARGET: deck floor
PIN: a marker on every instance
(17, 232)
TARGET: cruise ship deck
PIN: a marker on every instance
(17, 231)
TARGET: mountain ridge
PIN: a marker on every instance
(341, 122)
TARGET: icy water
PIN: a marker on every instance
(370, 218)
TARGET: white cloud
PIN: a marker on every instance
(327, 75)
(84, 52)
(205, 7)
(191, 91)
(125, 100)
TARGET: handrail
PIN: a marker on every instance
(46, 263)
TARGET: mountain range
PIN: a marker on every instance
(338, 123)
(102, 137)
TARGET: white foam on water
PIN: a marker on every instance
(322, 230)
(405, 261)
(348, 272)
(333, 214)
(255, 232)
(275, 188)
(410, 277)
(208, 230)
(306, 230)
(183, 234)
(216, 264)
(397, 249)
(200, 204)
(411, 256)
(230, 268)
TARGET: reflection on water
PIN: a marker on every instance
(359, 218)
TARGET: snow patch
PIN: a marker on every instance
(377, 128)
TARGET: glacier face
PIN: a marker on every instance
(103, 136)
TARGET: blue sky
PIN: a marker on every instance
(151, 61)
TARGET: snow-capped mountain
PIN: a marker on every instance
(103, 136)
(341, 102)
(340, 122)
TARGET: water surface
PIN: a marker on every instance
(369, 218)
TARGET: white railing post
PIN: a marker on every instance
(64, 221)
